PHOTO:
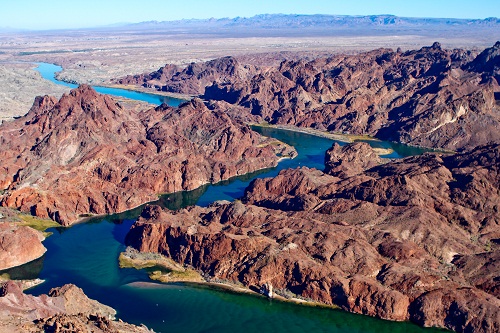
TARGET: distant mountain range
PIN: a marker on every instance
(273, 21)
(278, 25)
(281, 21)
(299, 25)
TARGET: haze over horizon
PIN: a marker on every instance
(61, 14)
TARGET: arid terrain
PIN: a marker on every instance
(85, 154)
(65, 309)
(398, 240)
(430, 97)
(412, 239)
(20, 85)
(94, 56)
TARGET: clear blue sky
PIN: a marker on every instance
(50, 14)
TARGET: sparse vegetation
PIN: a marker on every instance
(187, 275)
(160, 268)
(284, 293)
(131, 258)
(38, 223)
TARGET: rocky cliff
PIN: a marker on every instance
(86, 154)
(64, 309)
(429, 97)
(413, 239)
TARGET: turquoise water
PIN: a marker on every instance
(86, 255)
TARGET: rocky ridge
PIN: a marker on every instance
(430, 97)
(64, 309)
(86, 154)
(413, 239)
(192, 79)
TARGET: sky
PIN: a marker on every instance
(62, 14)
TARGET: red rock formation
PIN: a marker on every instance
(429, 97)
(481, 270)
(68, 299)
(19, 245)
(65, 309)
(86, 154)
(350, 160)
(193, 79)
(415, 238)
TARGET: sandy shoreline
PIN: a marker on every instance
(348, 138)
(25, 284)
(227, 287)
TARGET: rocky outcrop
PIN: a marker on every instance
(426, 97)
(64, 309)
(487, 61)
(430, 97)
(19, 245)
(413, 239)
(193, 79)
(350, 160)
(85, 154)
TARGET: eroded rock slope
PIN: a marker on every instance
(86, 154)
(413, 239)
(429, 97)
(64, 309)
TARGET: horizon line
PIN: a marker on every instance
(124, 24)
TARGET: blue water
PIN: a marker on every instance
(48, 71)
(86, 255)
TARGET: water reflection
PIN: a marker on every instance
(28, 271)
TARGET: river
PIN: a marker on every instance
(86, 255)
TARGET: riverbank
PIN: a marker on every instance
(21, 238)
(166, 271)
(346, 138)
(21, 83)
(159, 268)
(131, 87)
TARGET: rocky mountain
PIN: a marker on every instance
(86, 154)
(192, 79)
(429, 97)
(64, 309)
(413, 239)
